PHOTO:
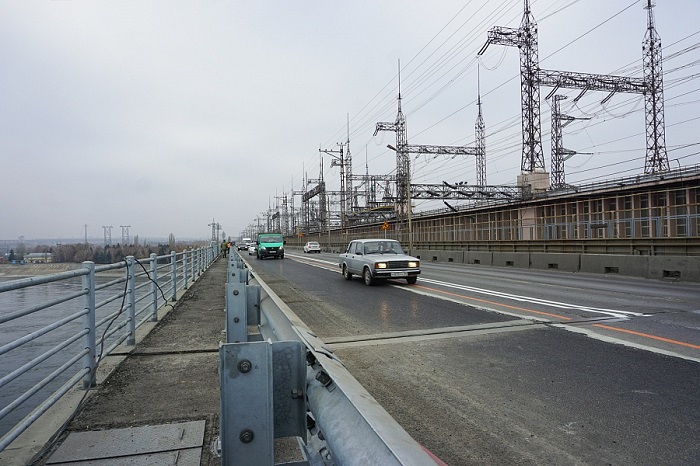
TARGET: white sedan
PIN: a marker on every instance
(251, 249)
(312, 246)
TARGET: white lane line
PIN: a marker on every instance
(532, 300)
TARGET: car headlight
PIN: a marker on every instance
(413, 263)
(380, 265)
(263, 248)
(281, 248)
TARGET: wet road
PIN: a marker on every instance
(488, 365)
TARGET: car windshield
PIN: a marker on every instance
(383, 247)
(313, 244)
(271, 239)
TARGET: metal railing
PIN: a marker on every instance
(56, 329)
(284, 382)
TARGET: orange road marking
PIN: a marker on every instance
(556, 316)
(647, 335)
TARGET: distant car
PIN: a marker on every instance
(375, 259)
(245, 242)
(251, 249)
(312, 246)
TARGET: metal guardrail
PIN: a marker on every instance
(284, 382)
(104, 311)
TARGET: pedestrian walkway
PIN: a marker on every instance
(161, 404)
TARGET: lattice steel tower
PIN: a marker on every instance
(532, 77)
(403, 163)
(656, 157)
(525, 38)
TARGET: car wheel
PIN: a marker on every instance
(411, 280)
(282, 256)
(346, 273)
(367, 277)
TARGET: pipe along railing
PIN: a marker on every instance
(283, 382)
(45, 341)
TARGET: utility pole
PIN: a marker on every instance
(86, 241)
(107, 235)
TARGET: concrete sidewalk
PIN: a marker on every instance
(160, 405)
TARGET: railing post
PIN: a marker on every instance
(173, 273)
(89, 360)
(131, 298)
(192, 261)
(184, 269)
(154, 288)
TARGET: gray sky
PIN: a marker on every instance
(166, 114)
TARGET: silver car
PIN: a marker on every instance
(374, 259)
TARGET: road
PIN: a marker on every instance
(487, 365)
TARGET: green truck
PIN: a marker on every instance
(270, 245)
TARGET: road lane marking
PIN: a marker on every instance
(411, 336)
(648, 335)
(540, 301)
(493, 303)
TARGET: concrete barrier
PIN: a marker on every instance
(478, 257)
(632, 266)
(434, 255)
(686, 268)
(555, 261)
(512, 259)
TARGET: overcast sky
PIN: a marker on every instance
(165, 115)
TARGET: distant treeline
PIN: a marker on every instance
(81, 252)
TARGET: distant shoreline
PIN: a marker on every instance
(31, 270)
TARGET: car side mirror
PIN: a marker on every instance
(284, 242)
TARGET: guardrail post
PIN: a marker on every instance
(276, 373)
(185, 253)
(131, 299)
(236, 312)
(154, 288)
(89, 360)
(173, 263)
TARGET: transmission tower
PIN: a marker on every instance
(525, 38)
(656, 158)
(403, 163)
(107, 235)
(559, 153)
(125, 234)
(213, 229)
(402, 150)
(531, 77)
(338, 160)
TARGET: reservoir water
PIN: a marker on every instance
(13, 301)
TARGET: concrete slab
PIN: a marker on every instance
(134, 445)
(189, 457)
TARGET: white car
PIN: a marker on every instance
(251, 249)
(312, 246)
(375, 259)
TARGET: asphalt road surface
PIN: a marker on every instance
(486, 365)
